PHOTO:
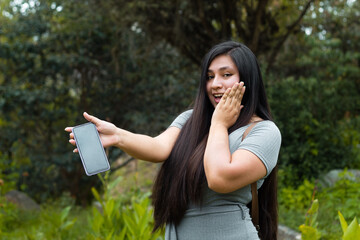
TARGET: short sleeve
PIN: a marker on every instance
(264, 141)
(181, 119)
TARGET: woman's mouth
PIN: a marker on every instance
(217, 97)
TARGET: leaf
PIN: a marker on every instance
(109, 207)
(343, 223)
(110, 235)
(65, 213)
(114, 183)
(309, 233)
(353, 231)
(96, 220)
(314, 207)
(67, 225)
(97, 197)
(130, 224)
(123, 233)
(96, 194)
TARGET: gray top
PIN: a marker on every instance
(226, 216)
(263, 140)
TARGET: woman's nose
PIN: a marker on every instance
(216, 83)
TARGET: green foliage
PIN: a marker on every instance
(351, 136)
(124, 217)
(200, 25)
(137, 217)
(7, 181)
(60, 59)
(49, 223)
(107, 219)
(120, 216)
(343, 196)
(35, 106)
(59, 220)
(345, 192)
(8, 215)
(298, 198)
(293, 202)
(309, 229)
(352, 231)
(308, 139)
(314, 93)
(123, 63)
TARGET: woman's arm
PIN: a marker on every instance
(153, 149)
(226, 172)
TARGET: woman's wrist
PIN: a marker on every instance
(120, 137)
(217, 130)
(219, 126)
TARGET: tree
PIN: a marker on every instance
(195, 26)
(135, 63)
(315, 93)
(61, 60)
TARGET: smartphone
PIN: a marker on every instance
(90, 148)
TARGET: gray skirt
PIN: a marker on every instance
(228, 222)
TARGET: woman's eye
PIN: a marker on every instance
(227, 75)
(210, 77)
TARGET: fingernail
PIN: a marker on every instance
(73, 150)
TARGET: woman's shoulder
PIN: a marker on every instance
(181, 119)
(266, 129)
(185, 115)
(262, 128)
(267, 126)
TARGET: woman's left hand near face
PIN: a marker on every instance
(228, 109)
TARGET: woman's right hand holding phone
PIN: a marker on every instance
(108, 132)
(153, 149)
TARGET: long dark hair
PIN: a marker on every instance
(181, 178)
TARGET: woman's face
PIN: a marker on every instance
(222, 74)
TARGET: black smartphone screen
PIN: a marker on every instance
(91, 151)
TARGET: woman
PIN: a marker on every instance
(203, 186)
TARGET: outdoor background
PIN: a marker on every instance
(136, 63)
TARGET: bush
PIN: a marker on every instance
(53, 221)
(293, 203)
(127, 216)
(314, 139)
(343, 196)
(309, 230)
